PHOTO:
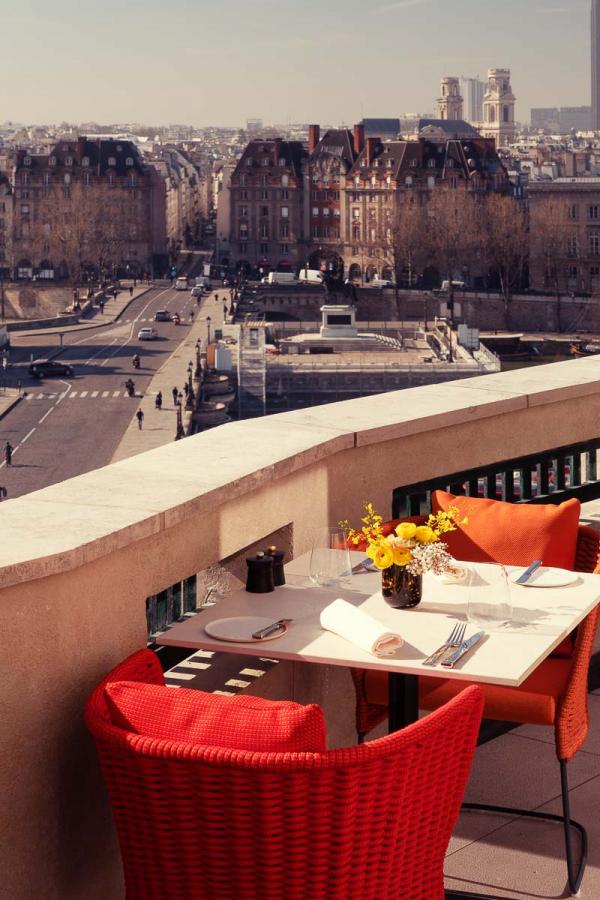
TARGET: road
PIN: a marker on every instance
(67, 426)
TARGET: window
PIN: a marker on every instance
(132, 181)
(414, 163)
(284, 230)
(336, 213)
(24, 195)
(129, 161)
(264, 230)
(374, 181)
(285, 195)
(285, 180)
(52, 161)
(453, 182)
(594, 244)
(572, 245)
(431, 164)
(24, 209)
(243, 195)
(112, 161)
(356, 232)
(354, 251)
(315, 195)
(316, 231)
(325, 210)
(431, 182)
(594, 212)
(85, 162)
(450, 164)
(25, 178)
(285, 211)
(264, 248)
(506, 114)
(68, 160)
(266, 161)
(111, 180)
(46, 179)
(67, 178)
(390, 163)
(243, 248)
(86, 179)
(408, 181)
(315, 211)
(264, 195)
(27, 161)
(356, 212)
(281, 162)
(264, 211)
(242, 180)
(285, 248)
(132, 232)
(363, 163)
(264, 180)
(249, 162)
(243, 212)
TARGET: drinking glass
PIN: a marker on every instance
(330, 562)
(488, 596)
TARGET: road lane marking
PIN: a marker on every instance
(29, 396)
(46, 414)
(105, 393)
(51, 396)
(83, 394)
(116, 393)
(27, 436)
(40, 396)
(72, 395)
(94, 393)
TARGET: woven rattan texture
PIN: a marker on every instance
(572, 717)
(363, 823)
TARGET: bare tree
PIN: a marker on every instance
(453, 228)
(401, 237)
(553, 241)
(504, 242)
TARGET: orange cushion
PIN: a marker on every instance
(512, 533)
(242, 722)
(533, 703)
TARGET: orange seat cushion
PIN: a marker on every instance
(242, 722)
(533, 703)
(512, 533)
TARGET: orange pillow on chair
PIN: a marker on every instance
(512, 533)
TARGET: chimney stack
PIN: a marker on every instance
(359, 138)
(313, 137)
(372, 143)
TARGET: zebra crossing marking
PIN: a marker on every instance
(83, 394)
(94, 393)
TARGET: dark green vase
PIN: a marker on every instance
(400, 588)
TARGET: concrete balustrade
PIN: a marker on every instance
(78, 559)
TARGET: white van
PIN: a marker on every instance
(280, 278)
(310, 276)
(203, 281)
(181, 284)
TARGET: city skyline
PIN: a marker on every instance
(207, 64)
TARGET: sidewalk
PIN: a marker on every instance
(9, 397)
(160, 426)
(113, 310)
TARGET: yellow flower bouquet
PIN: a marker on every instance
(408, 552)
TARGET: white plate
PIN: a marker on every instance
(240, 629)
(547, 578)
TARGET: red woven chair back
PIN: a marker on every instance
(206, 823)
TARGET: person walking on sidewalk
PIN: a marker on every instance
(8, 452)
(130, 291)
(175, 393)
(140, 417)
(158, 401)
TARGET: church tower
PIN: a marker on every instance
(450, 104)
(499, 108)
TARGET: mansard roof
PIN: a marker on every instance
(446, 128)
(338, 143)
(97, 155)
(253, 158)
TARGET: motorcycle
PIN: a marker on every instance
(175, 319)
(130, 388)
(136, 361)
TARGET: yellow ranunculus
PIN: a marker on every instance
(406, 530)
(402, 556)
(383, 556)
(370, 551)
(425, 535)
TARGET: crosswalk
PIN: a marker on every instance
(86, 395)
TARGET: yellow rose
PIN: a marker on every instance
(402, 556)
(406, 530)
(425, 535)
(383, 556)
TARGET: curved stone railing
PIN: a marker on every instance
(78, 559)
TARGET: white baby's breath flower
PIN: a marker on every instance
(429, 558)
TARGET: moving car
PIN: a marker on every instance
(147, 334)
(197, 290)
(162, 315)
(181, 283)
(47, 368)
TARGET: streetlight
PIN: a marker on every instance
(198, 373)
(208, 321)
(180, 432)
(189, 402)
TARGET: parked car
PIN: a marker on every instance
(162, 315)
(49, 368)
(147, 334)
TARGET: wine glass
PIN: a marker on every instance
(330, 557)
(488, 596)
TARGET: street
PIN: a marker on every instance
(67, 426)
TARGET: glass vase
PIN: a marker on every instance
(401, 589)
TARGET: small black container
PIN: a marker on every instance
(278, 573)
(259, 579)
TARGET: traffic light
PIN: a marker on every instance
(173, 271)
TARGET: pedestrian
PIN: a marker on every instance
(102, 307)
(175, 392)
(131, 290)
(186, 388)
(158, 401)
(8, 452)
(140, 417)
(114, 293)
(191, 316)
(224, 310)
(216, 298)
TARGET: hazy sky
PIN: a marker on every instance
(221, 61)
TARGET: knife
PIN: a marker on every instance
(265, 632)
(450, 661)
(528, 572)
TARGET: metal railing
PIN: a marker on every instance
(550, 476)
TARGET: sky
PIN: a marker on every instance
(219, 62)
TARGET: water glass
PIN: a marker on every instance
(330, 562)
(488, 596)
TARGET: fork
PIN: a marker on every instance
(455, 639)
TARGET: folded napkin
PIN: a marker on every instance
(359, 628)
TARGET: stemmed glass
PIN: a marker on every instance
(330, 557)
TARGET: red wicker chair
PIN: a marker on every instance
(561, 679)
(362, 823)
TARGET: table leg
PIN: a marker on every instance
(403, 700)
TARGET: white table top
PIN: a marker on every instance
(542, 617)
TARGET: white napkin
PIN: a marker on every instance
(359, 628)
